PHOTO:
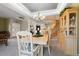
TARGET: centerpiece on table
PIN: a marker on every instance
(38, 34)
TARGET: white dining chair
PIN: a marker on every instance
(25, 44)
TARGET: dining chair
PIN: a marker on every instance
(25, 44)
(48, 42)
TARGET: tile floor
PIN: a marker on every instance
(12, 50)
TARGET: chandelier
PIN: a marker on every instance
(39, 16)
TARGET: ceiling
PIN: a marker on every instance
(16, 10)
(8, 13)
(34, 7)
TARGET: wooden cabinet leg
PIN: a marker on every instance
(6, 42)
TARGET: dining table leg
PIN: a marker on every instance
(41, 50)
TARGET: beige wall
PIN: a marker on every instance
(4, 24)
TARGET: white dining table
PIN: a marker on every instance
(41, 41)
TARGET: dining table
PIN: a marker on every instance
(40, 41)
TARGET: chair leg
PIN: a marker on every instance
(49, 50)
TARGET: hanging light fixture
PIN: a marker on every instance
(39, 16)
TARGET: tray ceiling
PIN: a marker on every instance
(34, 7)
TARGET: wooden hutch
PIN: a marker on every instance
(68, 31)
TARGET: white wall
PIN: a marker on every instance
(24, 25)
(15, 24)
(14, 27)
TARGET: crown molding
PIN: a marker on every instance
(61, 6)
(18, 7)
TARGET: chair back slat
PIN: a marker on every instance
(23, 45)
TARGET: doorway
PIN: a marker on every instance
(15, 28)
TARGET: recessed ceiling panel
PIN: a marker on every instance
(34, 7)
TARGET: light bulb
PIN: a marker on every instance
(43, 17)
(34, 16)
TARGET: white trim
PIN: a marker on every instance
(48, 12)
(18, 7)
(25, 9)
(60, 7)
